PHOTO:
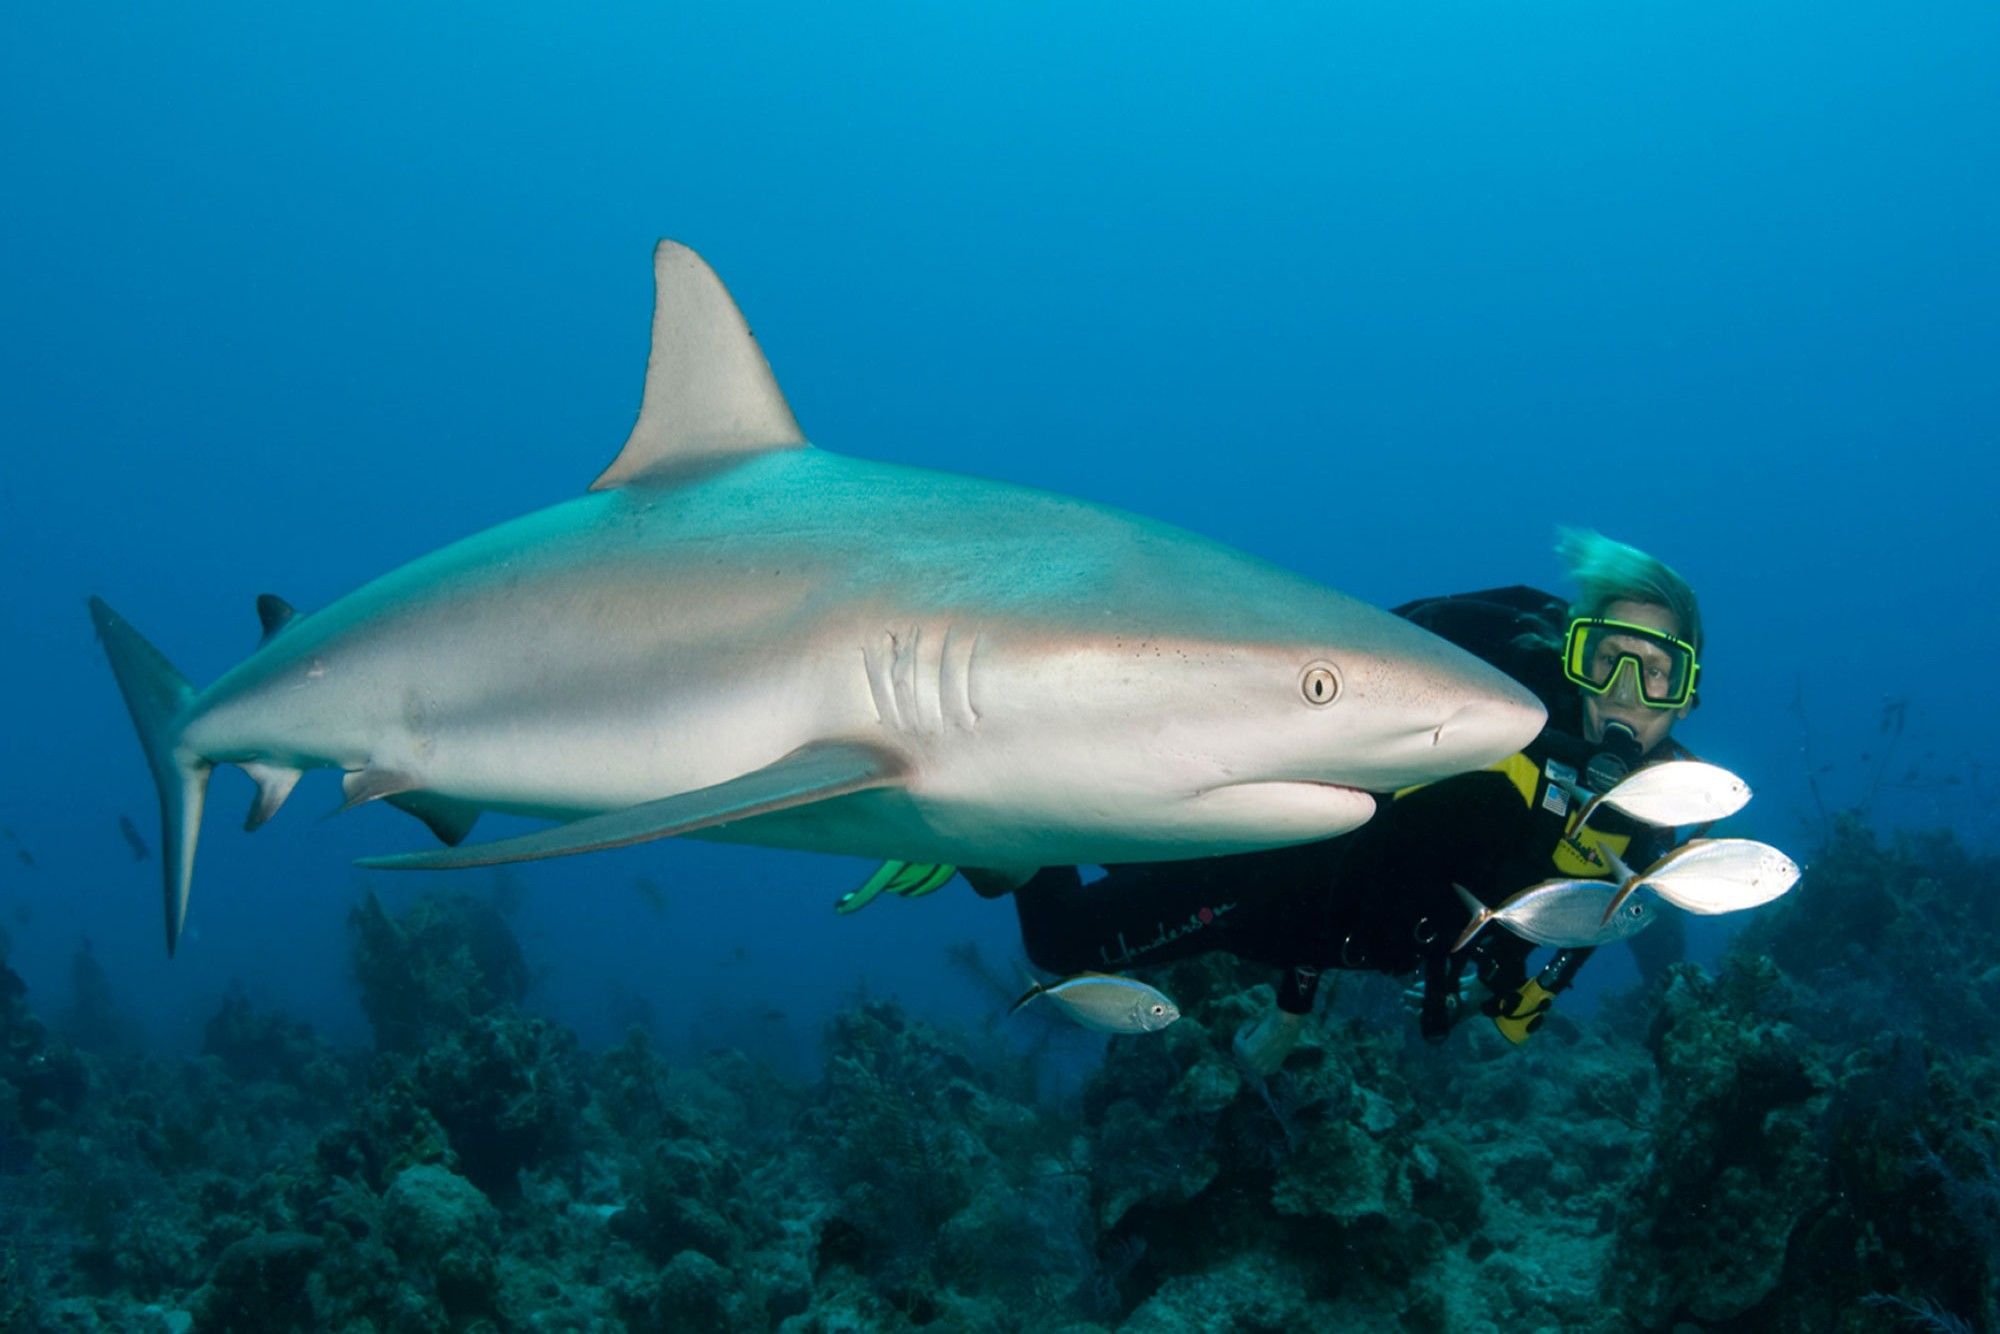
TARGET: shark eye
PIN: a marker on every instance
(1320, 684)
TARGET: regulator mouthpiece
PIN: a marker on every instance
(1616, 754)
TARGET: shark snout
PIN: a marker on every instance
(1486, 730)
(1476, 725)
(1411, 746)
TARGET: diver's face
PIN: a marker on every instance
(1621, 703)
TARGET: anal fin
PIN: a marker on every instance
(814, 772)
(450, 820)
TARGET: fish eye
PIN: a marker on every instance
(1159, 1009)
(1320, 683)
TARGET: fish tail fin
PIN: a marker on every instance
(157, 696)
(1618, 867)
(1481, 915)
(1034, 989)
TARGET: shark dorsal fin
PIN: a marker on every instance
(709, 391)
(274, 614)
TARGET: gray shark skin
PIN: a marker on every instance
(738, 635)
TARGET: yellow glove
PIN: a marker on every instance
(1517, 1014)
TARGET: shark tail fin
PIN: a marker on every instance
(157, 696)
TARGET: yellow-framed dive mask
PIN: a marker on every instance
(1597, 648)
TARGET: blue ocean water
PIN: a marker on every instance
(1384, 293)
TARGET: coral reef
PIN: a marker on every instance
(1800, 1141)
(1734, 1163)
(42, 1079)
(450, 959)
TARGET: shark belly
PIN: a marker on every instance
(914, 827)
(582, 664)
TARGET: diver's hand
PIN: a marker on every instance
(1261, 1045)
(1470, 998)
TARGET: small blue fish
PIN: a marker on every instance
(132, 839)
(21, 852)
(1107, 1003)
(655, 897)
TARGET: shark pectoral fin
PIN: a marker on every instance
(450, 820)
(274, 783)
(709, 392)
(814, 772)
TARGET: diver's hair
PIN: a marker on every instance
(1606, 571)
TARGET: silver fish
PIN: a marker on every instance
(1717, 875)
(1676, 792)
(1107, 1003)
(1568, 914)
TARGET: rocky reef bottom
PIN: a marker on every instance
(1802, 1140)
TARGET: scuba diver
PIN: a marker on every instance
(1616, 669)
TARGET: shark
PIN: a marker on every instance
(738, 635)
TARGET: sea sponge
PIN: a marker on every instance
(443, 1227)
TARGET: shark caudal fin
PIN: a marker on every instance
(157, 695)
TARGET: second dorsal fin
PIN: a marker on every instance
(709, 391)
(274, 614)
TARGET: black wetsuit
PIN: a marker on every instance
(1379, 898)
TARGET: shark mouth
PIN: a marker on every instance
(1293, 809)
